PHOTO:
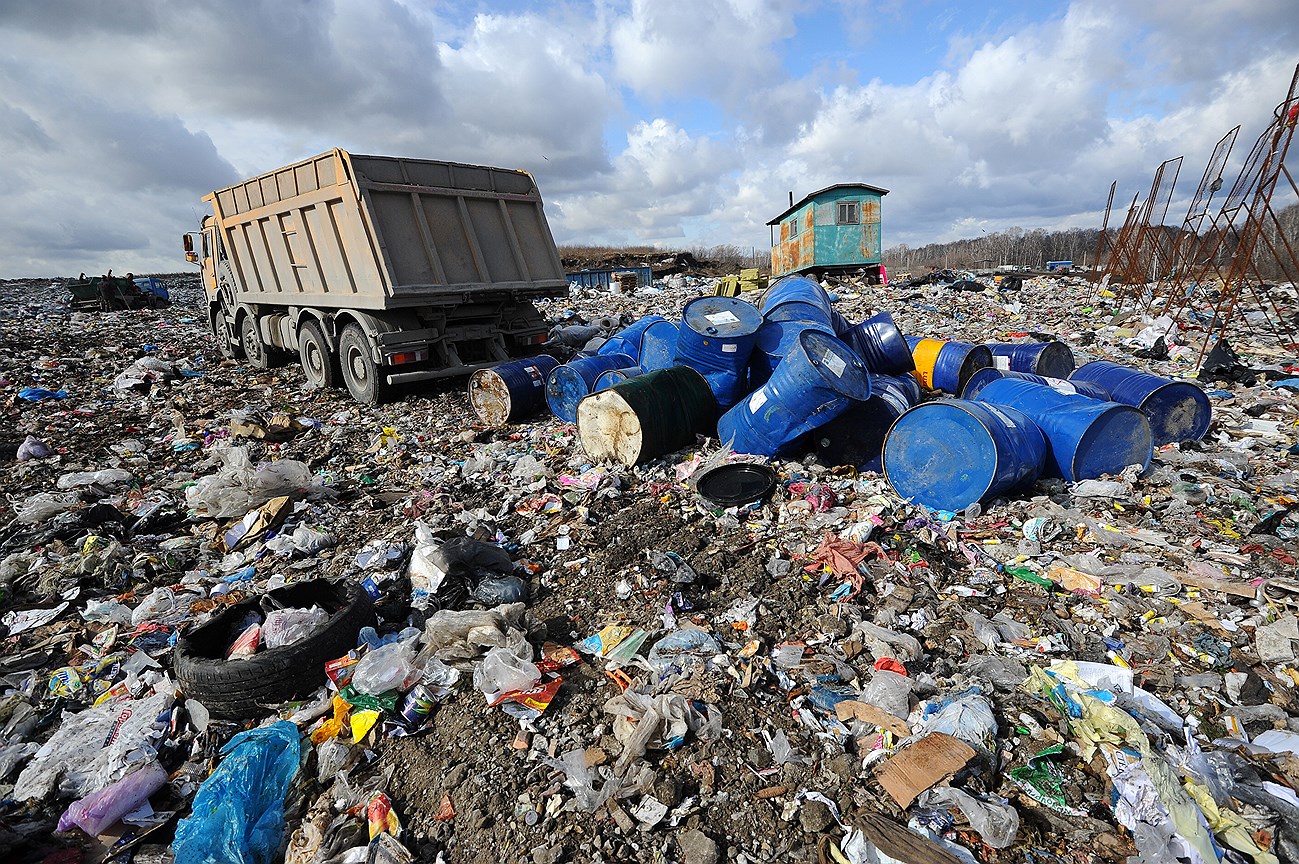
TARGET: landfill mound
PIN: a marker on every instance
(249, 620)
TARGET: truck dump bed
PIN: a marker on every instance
(377, 232)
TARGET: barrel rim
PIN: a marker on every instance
(944, 403)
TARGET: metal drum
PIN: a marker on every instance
(512, 391)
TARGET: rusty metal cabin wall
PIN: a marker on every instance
(846, 245)
(795, 249)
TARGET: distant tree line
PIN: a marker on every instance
(1163, 246)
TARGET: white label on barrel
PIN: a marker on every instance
(730, 347)
(719, 318)
(1007, 420)
(834, 363)
(757, 400)
(1002, 363)
(1060, 385)
(897, 402)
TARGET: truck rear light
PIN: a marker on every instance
(407, 357)
(535, 340)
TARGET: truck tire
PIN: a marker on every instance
(318, 362)
(242, 689)
(258, 353)
(364, 379)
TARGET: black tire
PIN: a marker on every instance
(256, 351)
(220, 332)
(318, 362)
(243, 689)
(364, 379)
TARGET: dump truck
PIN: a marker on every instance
(377, 271)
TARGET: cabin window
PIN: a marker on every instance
(792, 226)
(849, 213)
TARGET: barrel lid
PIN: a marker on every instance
(736, 483)
(837, 364)
(722, 317)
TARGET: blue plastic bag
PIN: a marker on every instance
(238, 813)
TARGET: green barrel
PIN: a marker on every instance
(646, 416)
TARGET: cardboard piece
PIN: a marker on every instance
(916, 768)
(901, 843)
(1205, 583)
(851, 709)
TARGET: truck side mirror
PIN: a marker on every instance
(188, 241)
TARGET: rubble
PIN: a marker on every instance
(551, 658)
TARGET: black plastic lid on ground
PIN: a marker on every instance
(736, 483)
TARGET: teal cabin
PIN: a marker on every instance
(836, 229)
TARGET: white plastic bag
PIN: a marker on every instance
(502, 671)
(385, 668)
(287, 626)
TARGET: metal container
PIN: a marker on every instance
(980, 379)
(715, 339)
(1048, 359)
(628, 340)
(646, 416)
(568, 383)
(775, 340)
(950, 454)
(797, 298)
(615, 376)
(658, 346)
(512, 391)
(417, 705)
(856, 437)
(944, 365)
(1177, 410)
(815, 382)
(1085, 438)
(881, 346)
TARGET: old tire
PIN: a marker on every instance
(257, 352)
(318, 362)
(364, 379)
(243, 689)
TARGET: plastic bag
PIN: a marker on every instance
(995, 820)
(889, 692)
(331, 755)
(238, 813)
(32, 448)
(13, 755)
(683, 650)
(643, 722)
(240, 486)
(501, 672)
(44, 506)
(466, 635)
(107, 477)
(287, 626)
(91, 749)
(385, 668)
(99, 810)
(967, 716)
(504, 589)
(164, 606)
(582, 780)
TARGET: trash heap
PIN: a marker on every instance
(249, 620)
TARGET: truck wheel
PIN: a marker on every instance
(362, 375)
(318, 362)
(221, 332)
(255, 350)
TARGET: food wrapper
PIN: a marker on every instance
(65, 682)
(555, 657)
(330, 728)
(362, 723)
(380, 816)
(537, 698)
(340, 670)
(606, 640)
(246, 645)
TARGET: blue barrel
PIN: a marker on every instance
(1083, 388)
(945, 365)
(1177, 410)
(658, 346)
(716, 338)
(951, 453)
(856, 437)
(615, 376)
(1048, 359)
(567, 384)
(775, 340)
(628, 340)
(815, 382)
(511, 391)
(840, 325)
(797, 298)
(1085, 438)
(881, 346)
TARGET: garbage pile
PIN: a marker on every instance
(246, 619)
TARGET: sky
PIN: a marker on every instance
(674, 123)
